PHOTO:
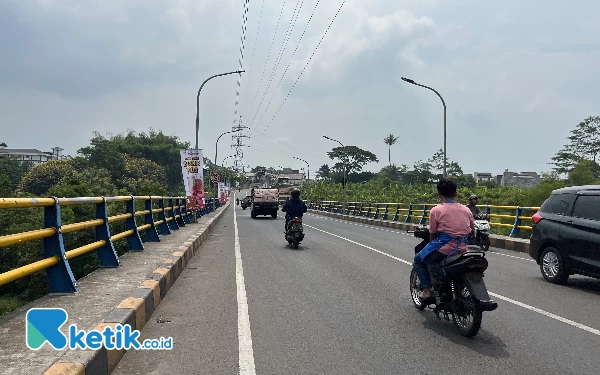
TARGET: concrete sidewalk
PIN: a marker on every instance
(502, 242)
(107, 296)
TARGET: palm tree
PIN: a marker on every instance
(390, 140)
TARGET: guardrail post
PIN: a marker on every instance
(164, 227)
(134, 240)
(187, 217)
(177, 213)
(386, 213)
(409, 216)
(369, 212)
(107, 255)
(376, 214)
(172, 223)
(149, 219)
(515, 229)
(397, 214)
(487, 209)
(354, 209)
(424, 218)
(60, 277)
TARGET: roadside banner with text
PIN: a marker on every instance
(222, 192)
(192, 167)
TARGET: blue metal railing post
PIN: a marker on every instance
(515, 229)
(172, 223)
(107, 255)
(409, 216)
(386, 213)
(424, 218)
(60, 277)
(397, 214)
(134, 240)
(149, 219)
(376, 214)
(177, 213)
(164, 226)
(187, 218)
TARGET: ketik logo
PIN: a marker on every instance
(43, 325)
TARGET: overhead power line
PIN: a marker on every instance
(255, 41)
(289, 64)
(284, 44)
(268, 56)
(305, 66)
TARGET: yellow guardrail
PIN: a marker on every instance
(419, 213)
(56, 257)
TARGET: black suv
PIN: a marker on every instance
(565, 238)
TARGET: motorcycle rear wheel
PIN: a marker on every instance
(296, 243)
(469, 323)
(415, 289)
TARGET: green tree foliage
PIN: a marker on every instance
(42, 177)
(584, 144)
(355, 158)
(111, 152)
(585, 172)
(13, 169)
(324, 172)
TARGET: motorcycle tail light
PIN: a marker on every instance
(297, 221)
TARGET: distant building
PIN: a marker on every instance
(482, 177)
(33, 156)
(526, 180)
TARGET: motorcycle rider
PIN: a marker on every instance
(449, 225)
(293, 207)
(473, 205)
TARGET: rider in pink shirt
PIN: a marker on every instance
(449, 225)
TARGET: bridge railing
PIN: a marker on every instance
(160, 215)
(419, 213)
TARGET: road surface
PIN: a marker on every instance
(340, 304)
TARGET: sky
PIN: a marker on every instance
(516, 77)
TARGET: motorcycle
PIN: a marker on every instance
(295, 232)
(481, 237)
(457, 288)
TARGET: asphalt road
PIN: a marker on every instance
(340, 304)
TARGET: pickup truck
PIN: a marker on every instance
(264, 202)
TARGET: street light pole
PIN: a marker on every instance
(308, 166)
(444, 103)
(344, 163)
(198, 99)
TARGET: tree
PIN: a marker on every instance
(584, 144)
(586, 172)
(164, 150)
(454, 170)
(391, 172)
(6, 189)
(324, 173)
(141, 176)
(43, 176)
(13, 169)
(355, 158)
(390, 140)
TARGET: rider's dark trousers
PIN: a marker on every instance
(421, 269)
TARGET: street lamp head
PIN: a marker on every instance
(409, 80)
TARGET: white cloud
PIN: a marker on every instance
(512, 77)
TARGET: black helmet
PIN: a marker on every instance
(473, 197)
(295, 193)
